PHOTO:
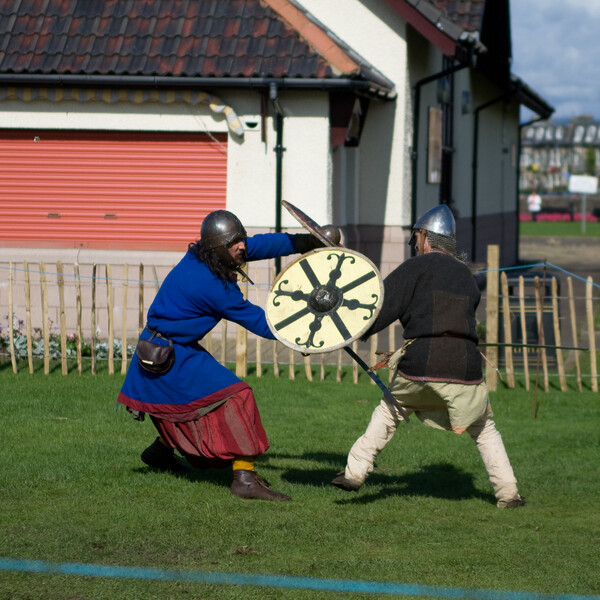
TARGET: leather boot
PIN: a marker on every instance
(160, 457)
(247, 484)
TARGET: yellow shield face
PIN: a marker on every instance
(324, 300)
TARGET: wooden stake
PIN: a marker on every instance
(574, 331)
(508, 351)
(60, 278)
(275, 364)
(322, 359)
(124, 321)
(79, 305)
(591, 333)
(28, 318)
(524, 329)
(291, 369)
(557, 338)
(45, 328)
(338, 374)
(308, 368)
(156, 283)
(11, 333)
(492, 316)
(539, 309)
(111, 320)
(94, 334)
(354, 364)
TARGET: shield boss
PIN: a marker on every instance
(324, 300)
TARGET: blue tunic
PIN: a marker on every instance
(189, 303)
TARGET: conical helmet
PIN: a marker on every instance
(437, 220)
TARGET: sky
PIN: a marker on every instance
(556, 52)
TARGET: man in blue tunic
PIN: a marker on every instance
(198, 406)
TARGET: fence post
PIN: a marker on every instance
(508, 351)
(539, 309)
(524, 329)
(574, 331)
(124, 321)
(11, 335)
(557, 338)
(60, 280)
(28, 318)
(111, 320)
(94, 336)
(491, 317)
(79, 314)
(591, 332)
(45, 331)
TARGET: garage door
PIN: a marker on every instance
(125, 190)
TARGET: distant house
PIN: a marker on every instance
(553, 151)
(122, 124)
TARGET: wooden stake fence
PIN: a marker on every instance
(496, 296)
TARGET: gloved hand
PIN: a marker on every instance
(305, 242)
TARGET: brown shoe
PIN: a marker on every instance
(247, 484)
(345, 484)
(514, 503)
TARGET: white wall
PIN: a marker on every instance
(251, 163)
(377, 33)
(306, 164)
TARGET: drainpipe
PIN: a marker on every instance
(279, 150)
(518, 186)
(415, 142)
(474, 169)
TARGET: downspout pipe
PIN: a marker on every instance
(416, 116)
(279, 150)
(518, 186)
(475, 167)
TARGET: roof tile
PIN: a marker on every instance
(203, 38)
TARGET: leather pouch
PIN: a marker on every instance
(154, 357)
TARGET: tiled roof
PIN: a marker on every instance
(467, 14)
(175, 38)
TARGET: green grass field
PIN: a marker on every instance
(73, 490)
(560, 229)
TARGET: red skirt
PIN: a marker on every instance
(232, 430)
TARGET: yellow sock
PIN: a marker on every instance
(163, 442)
(246, 463)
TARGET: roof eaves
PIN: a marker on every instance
(343, 59)
(529, 98)
(435, 26)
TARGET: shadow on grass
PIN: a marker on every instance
(441, 480)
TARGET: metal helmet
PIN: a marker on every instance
(437, 220)
(221, 228)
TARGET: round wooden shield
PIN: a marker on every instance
(324, 300)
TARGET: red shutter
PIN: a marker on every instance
(118, 190)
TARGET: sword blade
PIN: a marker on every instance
(380, 384)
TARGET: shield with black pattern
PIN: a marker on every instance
(324, 300)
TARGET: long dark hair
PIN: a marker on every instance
(209, 257)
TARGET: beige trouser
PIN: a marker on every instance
(385, 421)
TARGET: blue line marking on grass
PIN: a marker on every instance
(283, 581)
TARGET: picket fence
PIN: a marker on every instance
(77, 311)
